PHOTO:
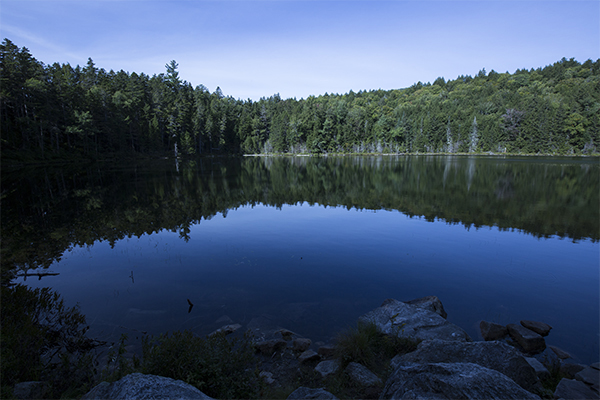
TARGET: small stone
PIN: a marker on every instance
(541, 371)
(570, 370)
(227, 329)
(306, 393)
(328, 367)
(301, 344)
(595, 365)
(538, 327)
(326, 351)
(589, 375)
(492, 331)
(361, 375)
(267, 377)
(530, 341)
(560, 353)
(268, 347)
(286, 334)
(572, 389)
(308, 356)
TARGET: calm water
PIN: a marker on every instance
(310, 244)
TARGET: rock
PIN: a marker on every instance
(145, 387)
(595, 365)
(361, 375)
(405, 320)
(268, 347)
(572, 389)
(286, 334)
(308, 356)
(451, 381)
(494, 355)
(301, 344)
(30, 390)
(327, 367)
(570, 370)
(538, 327)
(267, 377)
(541, 371)
(306, 393)
(560, 353)
(326, 351)
(589, 376)
(431, 303)
(492, 331)
(530, 341)
(227, 329)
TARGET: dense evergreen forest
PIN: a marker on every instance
(57, 111)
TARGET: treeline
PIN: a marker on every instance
(57, 111)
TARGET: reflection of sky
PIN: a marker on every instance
(332, 265)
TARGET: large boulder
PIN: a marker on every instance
(431, 303)
(451, 381)
(145, 387)
(405, 320)
(572, 389)
(530, 341)
(494, 355)
(361, 375)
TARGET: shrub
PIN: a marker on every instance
(220, 367)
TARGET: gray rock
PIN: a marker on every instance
(573, 390)
(308, 356)
(494, 355)
(570, 370)
(30, 390)
(326, 351)
(405, 320)
(589, 376)
(286, 334)
(595, 365)
(268, 347)
(301, 344)
(560, 353)
(431, 303)
(530, 341)
(226, 330)
(451, 381)
(361, 375)
(541, 371)
(306, 393)
(328, 367)
(538, 327)
(267, 377)
(145, 387)
(492, 331)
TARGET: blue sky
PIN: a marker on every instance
(252, 49)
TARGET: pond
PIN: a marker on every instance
(311, 243)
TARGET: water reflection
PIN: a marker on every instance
(47, 211)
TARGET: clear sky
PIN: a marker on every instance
(253, 49)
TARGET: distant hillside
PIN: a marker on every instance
(56, 112)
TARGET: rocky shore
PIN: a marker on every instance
(447, 364)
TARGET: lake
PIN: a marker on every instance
(311, 243)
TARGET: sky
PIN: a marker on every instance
(253, 49)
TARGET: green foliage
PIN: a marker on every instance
(52, 112)
(41, 339)
(220, 367)
(366, 345)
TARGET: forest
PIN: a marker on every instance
(59, 112)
